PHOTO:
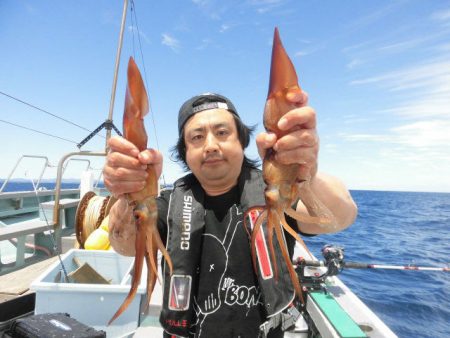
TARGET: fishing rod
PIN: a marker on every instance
(335, 263)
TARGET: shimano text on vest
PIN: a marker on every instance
(186, 226)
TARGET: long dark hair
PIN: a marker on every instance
(244, 133)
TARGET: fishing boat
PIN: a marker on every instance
(40, 237)
(332, 310)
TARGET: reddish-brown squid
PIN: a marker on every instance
(283, 187)
(144, 205)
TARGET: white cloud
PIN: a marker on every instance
(212, 9)
(376, 51)
(431, 72)
(171, 42)
(224, 28)
(402, 46)
(30, 8)
(353, 119)
(430, 133)
(265, 6)
(424, 90)
(134, 30)
(420, 134)
(365, 137)
(201, 2)
(354, 63)
(428, 106)
(330, 148)
(310, 49)
(375, 15)
(445, 47)
(205, 44)
(301, 53)
(443, 15)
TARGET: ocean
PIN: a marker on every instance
(398, 228)
(23, 185)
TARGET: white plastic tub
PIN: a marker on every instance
(92, 304)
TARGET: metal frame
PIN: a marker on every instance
(17, 164)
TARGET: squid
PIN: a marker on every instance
(145, 212)
(283, 188)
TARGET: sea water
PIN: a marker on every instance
(399, 228)
(47, 185)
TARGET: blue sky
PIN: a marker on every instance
(377, 73)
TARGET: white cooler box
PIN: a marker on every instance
(93, 304)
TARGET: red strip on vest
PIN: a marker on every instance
(265, 267)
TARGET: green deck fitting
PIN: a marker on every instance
(341, 321)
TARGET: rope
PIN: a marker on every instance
(90, 214)
(46, 112)
(133, 12)
(37, 131)
(132, 27)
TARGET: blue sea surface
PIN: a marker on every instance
(399, 228)
(47, 185)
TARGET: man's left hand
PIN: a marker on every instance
(301, 144)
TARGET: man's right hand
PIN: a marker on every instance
(125, 168)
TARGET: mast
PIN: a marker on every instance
(108, 124)
(116, 71)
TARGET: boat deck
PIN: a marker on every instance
(17, 283)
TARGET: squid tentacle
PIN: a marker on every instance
(272, 219)
(297, 237)
(151, 250)
(162, 248)
(138, 264)
(151, 281)
(290, 268)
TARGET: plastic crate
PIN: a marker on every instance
(92, 304)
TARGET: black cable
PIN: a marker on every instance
(46, 112)
(132, 27)
(37, 131)
(133, 6)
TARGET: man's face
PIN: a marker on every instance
(213, 151)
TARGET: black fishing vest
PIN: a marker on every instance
(186, 223)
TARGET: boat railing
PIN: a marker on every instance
(46, 165)
(88, 166)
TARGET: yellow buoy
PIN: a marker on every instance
(99, 238)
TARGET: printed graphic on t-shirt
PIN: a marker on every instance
(226, 292)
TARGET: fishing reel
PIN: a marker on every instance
(333, 262)
(334, 259)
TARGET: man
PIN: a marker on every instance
(201, 219)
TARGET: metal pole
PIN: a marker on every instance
(116, 70)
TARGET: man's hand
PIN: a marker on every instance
(125, 172)
(301, 144)
(125, 168)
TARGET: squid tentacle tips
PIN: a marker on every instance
(145, 211)
(283, 188)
